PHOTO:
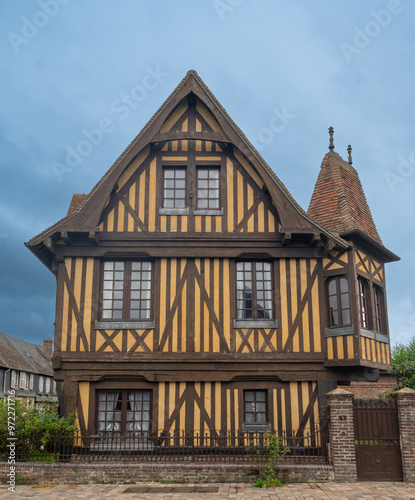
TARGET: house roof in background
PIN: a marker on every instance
(21, 355)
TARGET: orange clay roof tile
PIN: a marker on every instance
(339, 202)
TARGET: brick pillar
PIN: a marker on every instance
(405, 401)
(342, 446)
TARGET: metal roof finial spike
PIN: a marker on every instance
(349, 150)
(331, 132)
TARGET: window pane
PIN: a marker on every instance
(344, 285)
(345, 301)
(346, 317)
(249, 396)
(332, 287)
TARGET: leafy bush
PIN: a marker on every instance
(403, 364)
(274, 450)
(39, 432)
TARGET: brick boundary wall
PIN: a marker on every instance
(405, 401)
(371, 390)
(341, 431)
(72, 473)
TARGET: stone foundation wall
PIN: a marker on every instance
(37, 473)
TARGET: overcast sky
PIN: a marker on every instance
(70, 66)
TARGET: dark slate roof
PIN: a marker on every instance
(21, 355)
(339, 202)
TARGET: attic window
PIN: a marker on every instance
(174, 187)
(208, 188)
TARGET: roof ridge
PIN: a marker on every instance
(245, 142)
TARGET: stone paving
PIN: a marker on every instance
(298, 491)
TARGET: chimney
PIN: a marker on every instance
(47, 348)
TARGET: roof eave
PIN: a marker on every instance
(358, 236)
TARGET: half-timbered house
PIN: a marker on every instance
(194, 293)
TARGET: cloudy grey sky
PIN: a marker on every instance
(70, 66)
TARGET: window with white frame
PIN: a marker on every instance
(41, 383)
(14, 379)
(23, 383)
(47, 385)
(31, 380)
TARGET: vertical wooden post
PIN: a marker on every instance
(342, 445)
(405, 401)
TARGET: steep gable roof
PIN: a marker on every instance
(85, 215)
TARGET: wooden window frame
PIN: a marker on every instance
(340, 309)
(166, 168)
(379, 310)
(47, 385)
(254, 292)
(255, 413)
(219, 198)
(364, 303)
(41, 383)
(31, 380)
(126, 288)
(124, 400)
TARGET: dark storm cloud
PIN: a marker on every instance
(316, 64)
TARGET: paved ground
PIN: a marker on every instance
(304, 491)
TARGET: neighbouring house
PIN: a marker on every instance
(194, 293)
(26, 369)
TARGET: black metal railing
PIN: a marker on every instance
(310, 447)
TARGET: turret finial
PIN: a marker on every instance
(331, 132)
(349, 150)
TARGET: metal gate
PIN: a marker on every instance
(376, 433)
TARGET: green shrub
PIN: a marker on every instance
(274, 450)
(39, 432)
